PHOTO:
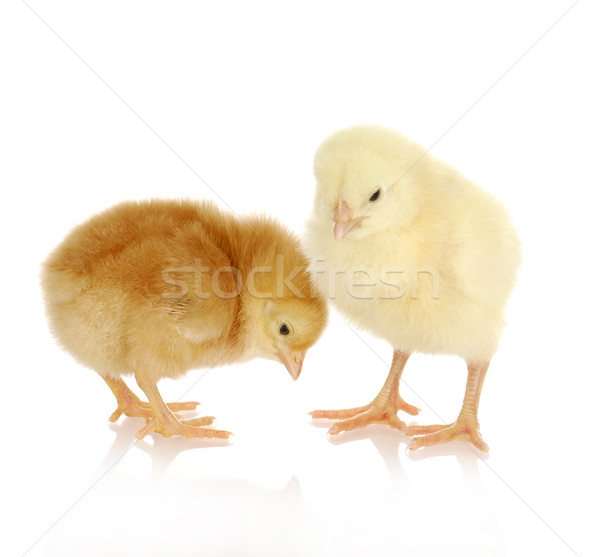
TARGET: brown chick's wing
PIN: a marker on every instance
(190, 306)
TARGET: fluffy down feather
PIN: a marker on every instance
(409, 249)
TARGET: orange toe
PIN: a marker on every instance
(187, 428)
(136, 408)
(338, 414)
(424, 429)
(405, 407)
(204, 420)
(380, 411)
(371, 416)
(383, 410)
(427, 436)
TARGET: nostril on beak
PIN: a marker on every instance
(343, 220)
(342, 212)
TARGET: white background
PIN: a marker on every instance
(107, 101)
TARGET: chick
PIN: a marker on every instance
(429, 261)
(155, 288)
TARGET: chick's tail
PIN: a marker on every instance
(59, 285)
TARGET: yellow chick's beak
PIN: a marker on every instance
(292, 362)
(343, 220)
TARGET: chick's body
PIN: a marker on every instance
(424, 258)
(157, 288)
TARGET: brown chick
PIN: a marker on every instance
(156, 288)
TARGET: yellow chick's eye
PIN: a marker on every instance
(375, 195)
(284, 329)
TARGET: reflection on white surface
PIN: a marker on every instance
(212, 515)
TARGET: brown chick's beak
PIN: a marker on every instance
(343, 221)
(292, 362)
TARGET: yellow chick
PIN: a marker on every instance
(415, 253)
(155, 288)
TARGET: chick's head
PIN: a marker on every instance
(366, 181)
(281, 307)
(290, 327)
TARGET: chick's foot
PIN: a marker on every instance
(462, 429)
(383, 410)
(372, 415)
(466, 426)
(351, 412)
(136, 408)
(129, 404)
(168, 426)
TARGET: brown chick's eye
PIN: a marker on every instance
(375, 196)
(284, 330)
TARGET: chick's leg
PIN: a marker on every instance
(466, 427)
(130, 405)
(163, 421)
(383, 409)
